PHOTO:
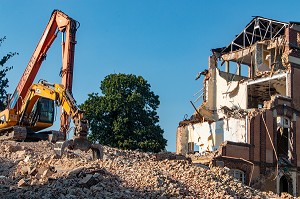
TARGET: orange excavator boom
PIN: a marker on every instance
(59, 22)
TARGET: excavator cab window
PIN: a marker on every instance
(45, 110)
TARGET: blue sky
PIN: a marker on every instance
(167, 42)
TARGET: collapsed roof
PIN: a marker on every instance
(258, 29)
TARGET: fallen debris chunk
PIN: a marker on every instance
(26, 159)
(47, 173)
(33, 171)
(25, 170)
(21, 183)
(21, 154)
(75, 171)
(88, 181)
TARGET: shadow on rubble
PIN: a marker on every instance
(97, 184)
(7, 168)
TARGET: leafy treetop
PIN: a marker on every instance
(125, 116)
(3, 80)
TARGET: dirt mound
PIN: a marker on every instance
(31, 170)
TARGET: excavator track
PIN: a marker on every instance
(16, 133)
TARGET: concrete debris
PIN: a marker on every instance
(88, 181)
(234, 112)
(21, 183)
(121, 174)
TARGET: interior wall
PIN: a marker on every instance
(209, 136)
(229, 93)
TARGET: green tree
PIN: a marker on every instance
(3, 78)
(125, 116)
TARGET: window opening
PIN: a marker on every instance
(282, 142)
(283, 137)
(285, 185)
(45, 108)
(238, 174)
(191, 147)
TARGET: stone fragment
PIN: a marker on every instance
(41, 170)
(38, 176)
(21, 183)
(33, 171)
(12, 148)
(96, 175)
(26, 159)
(21, 154)
(88, 181)
(47, 173)
(75, 171)
(25, 170)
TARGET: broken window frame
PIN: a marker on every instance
(283, 123)
(238, 174)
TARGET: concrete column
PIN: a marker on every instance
(227, 66)
(182, 140)
(238, 71)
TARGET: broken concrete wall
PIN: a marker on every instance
(182, 140)
(233, 129)
(209, 136)
(209, 82)
(225, 89)
(204, 136)
(230, 91)
(262, 57)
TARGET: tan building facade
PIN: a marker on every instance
(249, 117)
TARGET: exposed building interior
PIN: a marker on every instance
(247, 120)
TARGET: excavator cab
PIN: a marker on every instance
(45, 110)
(42, 114)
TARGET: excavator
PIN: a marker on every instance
(31, 108)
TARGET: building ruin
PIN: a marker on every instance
(248, 120)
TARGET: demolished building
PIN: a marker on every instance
(249, 119)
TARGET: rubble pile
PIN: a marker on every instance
(31, 170)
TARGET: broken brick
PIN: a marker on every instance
(21, 183)
(88, 181)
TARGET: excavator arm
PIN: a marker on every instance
(59, 22)
(62, 98)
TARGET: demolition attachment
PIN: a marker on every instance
(79, 141)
